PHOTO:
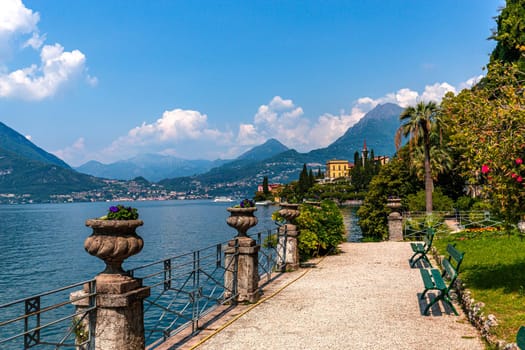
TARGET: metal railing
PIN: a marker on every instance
(187, 287)
(416, 223)
(50, 320)
(183, 289)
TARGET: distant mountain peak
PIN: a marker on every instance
(268, 149)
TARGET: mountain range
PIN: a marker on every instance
(239, 177)
(26, 168)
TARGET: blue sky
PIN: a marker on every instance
(108, 79)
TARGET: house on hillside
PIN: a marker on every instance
(337, 168)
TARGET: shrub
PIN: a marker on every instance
(322, 229)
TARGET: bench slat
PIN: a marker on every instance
(427, 279)
(438, 280)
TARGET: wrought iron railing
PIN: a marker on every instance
(186, 288)
(183, 290)
(50, 320)
(415, 223)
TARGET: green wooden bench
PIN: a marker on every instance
(434, 279)
(422, 249)
(520, 338)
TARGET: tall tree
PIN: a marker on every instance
(510, 34)
(418, 123)
(266, 190)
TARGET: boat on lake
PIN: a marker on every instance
(263, 203)
(223, 199)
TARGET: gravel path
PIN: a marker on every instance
(367, 297)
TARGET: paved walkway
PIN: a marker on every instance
(367, 297)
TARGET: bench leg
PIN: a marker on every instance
(413, 256)
(423, 256)
(447, 299)
(436, 299)
(441, 296)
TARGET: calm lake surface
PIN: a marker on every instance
(42, 245)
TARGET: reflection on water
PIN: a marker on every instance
(350, 218)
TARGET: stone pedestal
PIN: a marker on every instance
(287, 247)
(120, 312)
(242, 269)
(395, 227)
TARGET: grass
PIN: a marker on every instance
(494, 270)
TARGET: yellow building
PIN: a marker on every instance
(337, 168)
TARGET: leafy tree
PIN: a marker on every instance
(394, 179)
(419, 123)
(487, 127)
(416, 202)
(510, 34)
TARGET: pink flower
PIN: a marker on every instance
(519, 179)
(485, 169)
(519, 161)
(514, 175)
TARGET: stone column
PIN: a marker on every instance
(242, 269)
(287, 245)
(241, 277)
(395, 227)
(119, 316)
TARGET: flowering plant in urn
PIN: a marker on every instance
(114, 238)
(242, 217)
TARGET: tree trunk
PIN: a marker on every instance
(429, 184)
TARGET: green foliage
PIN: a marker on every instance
(487, 128)
(121, 212)
(364, 170)
(510, 34)
(394, 179)
(322, 229)
(271, 241)
(464, 203)
(422, 124)
(416, 202)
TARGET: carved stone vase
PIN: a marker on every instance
(113, 241)
(242, 219)
(289, 211)
(394, 203)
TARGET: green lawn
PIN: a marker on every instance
(494, 270)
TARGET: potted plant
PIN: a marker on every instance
(114, 238)
(242, 217)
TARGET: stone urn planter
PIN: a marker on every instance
(242, 219)
(289, 211)
(113, 241)
(394, 203)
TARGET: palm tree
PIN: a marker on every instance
(419, 123)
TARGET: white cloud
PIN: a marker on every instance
(16, 18)
(36, 83)
(279, 119)
(74, 154)
(187, 133)
(36, 41)
(56, 67)
(436, 92)
(176, 129)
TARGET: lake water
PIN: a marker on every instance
(42, 245)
